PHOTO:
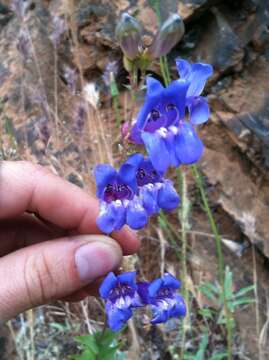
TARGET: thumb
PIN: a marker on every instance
(54, 269)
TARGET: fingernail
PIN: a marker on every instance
(96, 259)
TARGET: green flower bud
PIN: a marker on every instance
(167, 37)
(128, 33)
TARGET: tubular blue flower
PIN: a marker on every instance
(158, 119)
(119, 203)
(120, 295)
(163, 298)
(154, 190)
(197, 75)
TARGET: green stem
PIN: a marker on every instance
(116, 108)
(221, 265)
(164, 71)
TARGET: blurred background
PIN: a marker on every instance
(56, 110)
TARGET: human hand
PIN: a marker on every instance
(57, 254)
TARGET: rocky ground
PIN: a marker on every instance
(231, 35)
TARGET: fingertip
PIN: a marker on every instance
(128, 240)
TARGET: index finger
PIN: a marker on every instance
(24, 186)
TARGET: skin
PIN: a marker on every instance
(45, 222)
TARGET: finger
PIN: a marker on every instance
(52, 270)
(23, 231)
(89, 290)
(24, 186)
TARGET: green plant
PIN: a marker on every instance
(99, 346)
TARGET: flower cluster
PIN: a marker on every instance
(132, 194)
(165, 125)
(122, 294)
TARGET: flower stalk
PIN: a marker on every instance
(221, 265)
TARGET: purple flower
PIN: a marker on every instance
(163, 298)
(120, 295)
(154, 190)
(161, 126)
(119, 203)
(197, 75)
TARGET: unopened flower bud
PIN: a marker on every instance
(168, 36)
(128, 33)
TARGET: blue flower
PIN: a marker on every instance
(119, 203)
(197, 75)
(120, 295)
(161, 124)
(163, 298)
(157, 120)
(155, 192)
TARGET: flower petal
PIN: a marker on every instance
(148, 194)
(135, 135)
(159, 315)
(176, 94)
(136, 216)
(119, 213)
(199, 74)
(199, 110)
(183, 68)
(142, 290)
(106, 218)
(170, 281)
(154, 287)
(108, 283)
(127, 174)
(103, 175)
(169, 142)
(117, 317)
(189, 148)
(179, 309)
(135, 160)
(153, 97)
(168, 198)
(128, 278)
(157, 151)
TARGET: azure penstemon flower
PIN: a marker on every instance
(161, 124)
(163, 298)
(120, 295)
(119, 203)
(157, 122)
(154, 190)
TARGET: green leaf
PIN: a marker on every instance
(244, 290)
(86, 355)
(209, 290)
(206, 313)
(228, 283)
(202, 348)
(89, 342)
(243, 301)
(107, 353)
(106, 338)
